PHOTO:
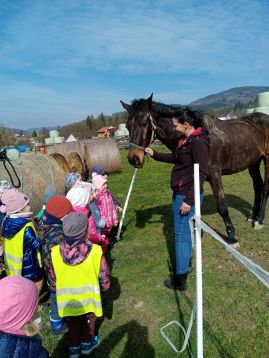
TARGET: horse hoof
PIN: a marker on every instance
(233, 243)
(236, 245)
(257, 226)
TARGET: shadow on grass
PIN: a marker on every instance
(135, 333)
(232, 201)
(146, 216)
(208, 331)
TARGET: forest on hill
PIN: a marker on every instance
(234, 102)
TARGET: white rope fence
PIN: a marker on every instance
(196, 225)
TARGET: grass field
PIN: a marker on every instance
(236, 304)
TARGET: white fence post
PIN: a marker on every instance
(198, 252)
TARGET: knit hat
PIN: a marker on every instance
(98, 170)
(75, 224)
(98, 180)
(71, 179)
(58, 206)
(18, 303)
(49, 191)
(78, 196)
(14, 200)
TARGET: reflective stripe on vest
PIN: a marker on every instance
(13, 252)
(77, 287)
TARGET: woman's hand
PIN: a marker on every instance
(185, 208)
(149, 151)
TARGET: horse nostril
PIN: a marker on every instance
(136, 161)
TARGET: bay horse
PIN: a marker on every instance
(236, 145)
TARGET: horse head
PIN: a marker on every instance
(141, 129)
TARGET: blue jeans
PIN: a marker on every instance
(99, 222)
(182, 233)
(56, 322)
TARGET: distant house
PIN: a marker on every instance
(71, 138)
(105, 132)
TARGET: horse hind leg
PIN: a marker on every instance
(216, 185)
(257, 181)
(265, 192)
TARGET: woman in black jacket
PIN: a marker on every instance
(193, 147)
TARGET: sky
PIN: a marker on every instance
(63, 60)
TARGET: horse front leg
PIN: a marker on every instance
(258, 224)
(215, 182)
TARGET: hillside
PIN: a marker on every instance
(234, 101)
(229, 98)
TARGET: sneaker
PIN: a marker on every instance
(87, 348)
(59, 331)
(74, 352)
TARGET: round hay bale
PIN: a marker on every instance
(89, 152)
(75, 164)
(61, 161)
(36, 172)
(102, 152)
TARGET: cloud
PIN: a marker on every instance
(60, 51)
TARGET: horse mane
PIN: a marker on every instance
(165, 110)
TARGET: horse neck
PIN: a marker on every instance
(165, 131)
(162, 114)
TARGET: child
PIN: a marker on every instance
(73, 180)
(51, 233)
(78, 265)
(18, 305)
(100, 171)
(80, 198)
(104, 202)
(21, 245)
(49, 191)
(2, 264)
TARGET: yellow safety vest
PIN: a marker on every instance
(77, 287)
(13, 252)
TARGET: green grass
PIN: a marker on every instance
(236, 316)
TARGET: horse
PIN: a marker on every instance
(236, 145)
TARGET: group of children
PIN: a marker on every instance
(61, 248)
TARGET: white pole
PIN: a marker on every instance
(126, 204)
(198, 250)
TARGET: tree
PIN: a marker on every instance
(34, 134)
(6, 136)
(44, 133)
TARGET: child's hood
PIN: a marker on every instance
(74, 252)
(11, 226)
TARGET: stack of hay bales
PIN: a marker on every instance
(122, 131)
(54, 138)
(82, 155)
(262, 104)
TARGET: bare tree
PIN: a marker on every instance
(6, 136)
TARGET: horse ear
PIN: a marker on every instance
(149, 100)
(126, 106)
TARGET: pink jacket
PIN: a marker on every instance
(107, 209)
(92, 233)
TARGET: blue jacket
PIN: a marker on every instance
(13, 346)
(30, 266)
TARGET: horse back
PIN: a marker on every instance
(239, 143)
